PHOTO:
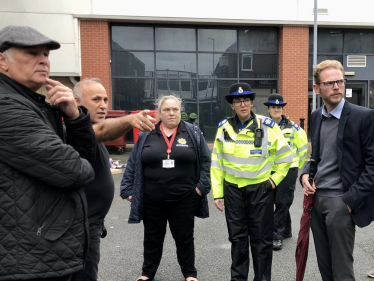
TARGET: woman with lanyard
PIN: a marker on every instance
(167, 179)
(284, 193)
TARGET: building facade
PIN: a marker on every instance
(197, 49)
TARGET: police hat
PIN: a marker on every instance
(275, 99)
(24, 36)
(240, 90)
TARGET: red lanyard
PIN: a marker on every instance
(168, 143)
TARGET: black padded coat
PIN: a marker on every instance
(43, 224)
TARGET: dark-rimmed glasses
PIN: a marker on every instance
(330, 84)
(239, 102)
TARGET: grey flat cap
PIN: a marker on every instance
(24, 36)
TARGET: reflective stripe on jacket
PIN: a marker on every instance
(236, 159)
(297, 140)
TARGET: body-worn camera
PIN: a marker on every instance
(259, 134)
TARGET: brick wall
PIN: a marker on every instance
(293, 71)
(95, 50)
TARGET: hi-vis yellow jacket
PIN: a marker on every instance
(236, 159)
(297, 140)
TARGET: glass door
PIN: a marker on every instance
(355, 92)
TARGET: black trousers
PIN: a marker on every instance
(250, 212)
(90, 272)
(284, 195)
(334, 238)
(181, 217)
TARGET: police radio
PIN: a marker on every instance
(259, 134)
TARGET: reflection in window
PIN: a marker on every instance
(137, 64)
(217, 40)
(176, 64)
(263, 66)
(258, 40)
(132, 38)
(181, 88)
(175, 39)
(359, 42)
(218, 65)
(133, 94)
(247, 62)
(329, 41)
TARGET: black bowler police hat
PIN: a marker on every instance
(275, 99)
(240, 90)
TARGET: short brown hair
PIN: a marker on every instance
(324, 65)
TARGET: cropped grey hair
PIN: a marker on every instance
(77, 91)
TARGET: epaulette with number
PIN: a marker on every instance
(268, 122)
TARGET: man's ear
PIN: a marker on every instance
(77, 100)
(316, 89)
(3, 63)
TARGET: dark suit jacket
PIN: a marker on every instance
(355, 150)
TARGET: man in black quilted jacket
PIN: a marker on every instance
(43, 220)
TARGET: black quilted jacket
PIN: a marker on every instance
(43, 225)
(132, 181)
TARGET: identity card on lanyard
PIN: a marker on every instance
(168, 163)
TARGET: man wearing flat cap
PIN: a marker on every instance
(284, 193)
(43, 164)
(246, 149)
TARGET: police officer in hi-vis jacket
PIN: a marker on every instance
(246, 150)
(284, 193)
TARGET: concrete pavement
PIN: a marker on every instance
(121, 251)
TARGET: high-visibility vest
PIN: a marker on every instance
(297, 140)
(236, 159)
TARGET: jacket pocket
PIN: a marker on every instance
(57, 220)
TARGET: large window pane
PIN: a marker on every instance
(186, 89)
(217, 40)
(218, 65)
(176, 64)
(359, 42)
(258, 40)
(258, 66)
(175, 39)
(137, 64)
(132, 38)
(328, 41)
(133, 94)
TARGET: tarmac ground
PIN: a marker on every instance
(122, 249)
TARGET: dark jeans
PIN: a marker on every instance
(334, 237)
(284, 195)
(181, 217)
(249, 212)
(90, 272)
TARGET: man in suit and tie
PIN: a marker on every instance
(343, 146)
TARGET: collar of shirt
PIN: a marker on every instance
(336, 112)
(242, 126)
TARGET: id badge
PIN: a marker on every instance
(168, 163)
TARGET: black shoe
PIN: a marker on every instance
(277, 245)
(288, 235)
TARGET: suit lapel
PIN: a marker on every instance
(316, 128)
(343, 120)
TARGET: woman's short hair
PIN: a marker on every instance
(161, 99)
